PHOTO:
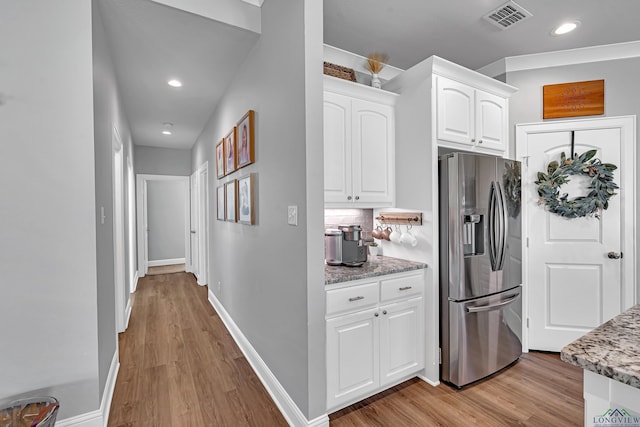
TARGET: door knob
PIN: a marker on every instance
(614, 255)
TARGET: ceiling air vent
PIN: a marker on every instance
(507, 15)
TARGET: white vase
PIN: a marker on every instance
(375, 81)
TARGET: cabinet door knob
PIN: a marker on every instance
(376, 314)
(473, 140)
(357, 197)
(479, 141)
(384, 312)
(348, 197)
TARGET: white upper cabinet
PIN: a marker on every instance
(372, 152)
(455, 113)
(337, 147)
(469, 118)
(359, 142)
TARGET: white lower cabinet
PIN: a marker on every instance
(401, 340)
(371, 349)
(354, 362)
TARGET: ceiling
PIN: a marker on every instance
(412, 30)
(152, 43)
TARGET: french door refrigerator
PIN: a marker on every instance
(480, 266)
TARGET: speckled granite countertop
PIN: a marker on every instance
(380, 266)
(611, 349)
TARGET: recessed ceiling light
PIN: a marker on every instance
(565, 28)
(174, 83)
(166, 128)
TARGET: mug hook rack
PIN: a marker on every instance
(401, 218)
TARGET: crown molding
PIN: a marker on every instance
(560, 58)
(254, 2)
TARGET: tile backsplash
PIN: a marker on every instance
(362, 217)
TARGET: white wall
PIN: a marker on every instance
(48, 254)
(166, 208)
(271, 274)
(162, 161)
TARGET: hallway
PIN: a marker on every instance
(180, 367)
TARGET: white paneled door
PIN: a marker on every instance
(574, 280)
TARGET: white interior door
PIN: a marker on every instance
(572, 285)
(118, 233)
(203, 221)
(192, 264)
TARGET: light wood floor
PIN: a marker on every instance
(166, 269)
(180, 367)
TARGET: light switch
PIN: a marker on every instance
(292, 215)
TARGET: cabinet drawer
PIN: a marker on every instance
(402, 287)
(352, 298)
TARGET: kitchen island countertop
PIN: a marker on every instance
(380, 266)
(611, 349)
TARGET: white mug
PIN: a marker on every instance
(395, 236)
(408, 239)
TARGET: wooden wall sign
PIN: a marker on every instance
(573, 99)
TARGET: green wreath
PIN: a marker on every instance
(602, 186)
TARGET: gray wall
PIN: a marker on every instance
(162, 161)
(263, 269)
(108, 114)
(621, 89)
(167, 202)
(48, 228)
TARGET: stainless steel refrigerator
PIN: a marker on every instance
(480, 266)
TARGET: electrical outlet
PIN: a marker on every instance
(292, 215)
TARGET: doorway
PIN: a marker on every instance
(578, 272)
(162, 203)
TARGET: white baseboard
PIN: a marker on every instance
(89, 419)
(159, 262)
(285, 403)
(109, 387)
(134, 282)
(99, 417)
(127, 314)
(428, 381)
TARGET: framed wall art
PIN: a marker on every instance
(246, 199)
(230, 203)
(230, 152)
(220, 200)
(246, 140)
(220, 159)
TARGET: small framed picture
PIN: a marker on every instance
(220, 208)
(230, 190)
(246, 140)
(220, 159)
(246, 199)
(230, 152)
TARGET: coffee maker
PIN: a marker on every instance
(345, 246)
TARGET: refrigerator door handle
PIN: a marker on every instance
(493, 247)
(503, 227)
(492, 306)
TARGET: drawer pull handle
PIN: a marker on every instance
(355, 299)
(406, 288)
